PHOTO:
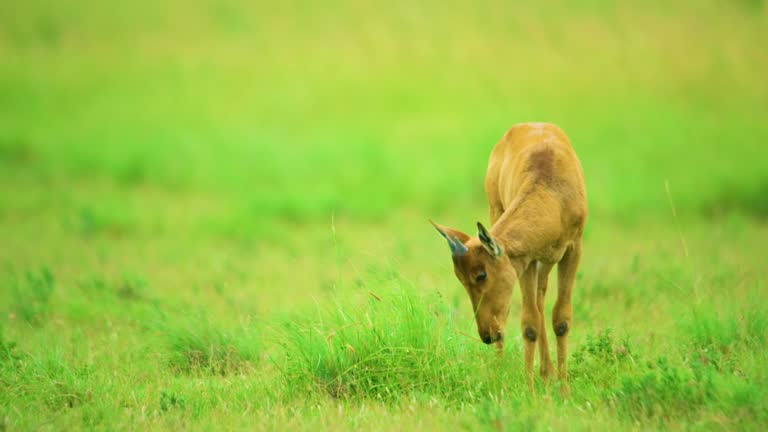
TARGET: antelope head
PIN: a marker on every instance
(488, 276)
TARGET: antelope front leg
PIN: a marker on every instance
(530, 320)
(545, 363)
(563, 311)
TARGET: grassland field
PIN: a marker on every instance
(213, 214)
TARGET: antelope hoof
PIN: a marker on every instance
(545, 372)
(500, 347)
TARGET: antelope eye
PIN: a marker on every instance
(480, 277)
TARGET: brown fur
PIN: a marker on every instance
(538, 209)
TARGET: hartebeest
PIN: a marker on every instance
(538, 208)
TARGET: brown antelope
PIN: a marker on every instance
(538, 208)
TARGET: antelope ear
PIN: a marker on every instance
(488, 242)
(455, 238)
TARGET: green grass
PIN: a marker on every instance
(214, 215)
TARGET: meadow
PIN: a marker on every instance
(213, 215)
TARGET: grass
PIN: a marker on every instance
(392, 351)
(214, 215)
(31, 296)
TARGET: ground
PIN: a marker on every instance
(215, 215)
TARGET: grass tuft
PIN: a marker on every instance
(31, 296)
(171, 400)
(718, 338)
(46, 379)
(195, 346)
(398, 345)
(664, 392)
(601, 360)
(8, 352)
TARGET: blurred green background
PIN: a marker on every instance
(246, 159)
(298, 110)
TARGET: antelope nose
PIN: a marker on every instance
(488, 339)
